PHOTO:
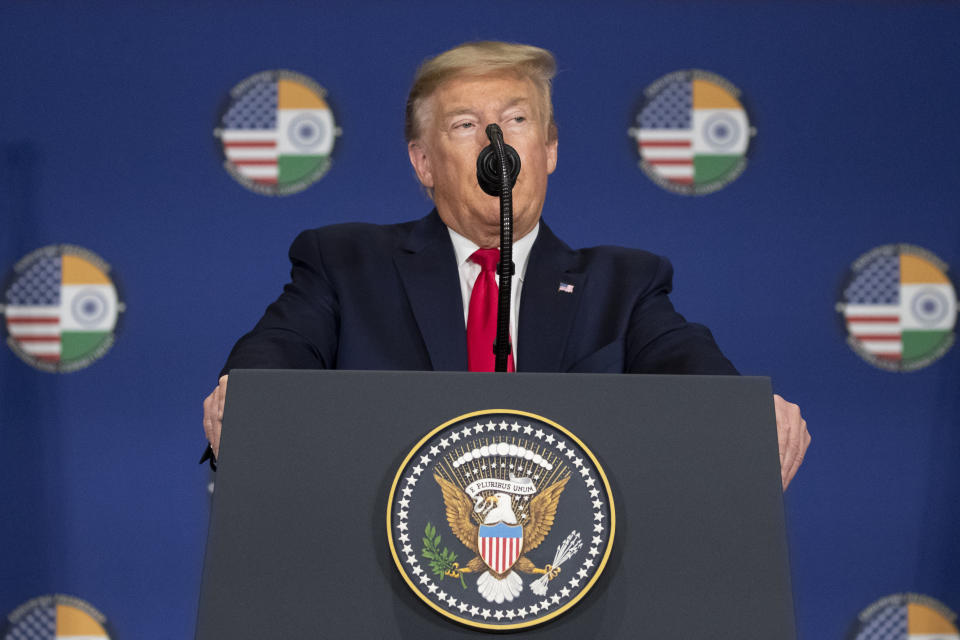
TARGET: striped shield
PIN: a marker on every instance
(500, 545)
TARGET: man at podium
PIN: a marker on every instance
(421, 295)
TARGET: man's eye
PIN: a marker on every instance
(519, 119)
(463, 125)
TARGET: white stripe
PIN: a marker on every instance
(72, 299)
(96, 637)
(738, 130)
(41, 348)
(882, 346)
(871, 310)
(662, 153)
(874, 328)
(250, 153)
(259, 172)
(38, 329)
(20, 311)
(247, 135)
(933, 636)
(321, 121)
(912, 297)
(674, 170)
(666, 134)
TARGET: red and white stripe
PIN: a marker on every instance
(253, 152)
(669, 152)
(36, 329)
(877, 328)
(500, 553)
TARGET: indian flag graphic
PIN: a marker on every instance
(902, 619)
(56, 618)
(277, 133)
(899, 307)
(61, 308)
(692, 132)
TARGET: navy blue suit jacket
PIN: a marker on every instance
(388, 297)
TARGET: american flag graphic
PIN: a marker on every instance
(32, 309)
(890, 623)
(665, 138)
(872, 312)
(500, 545)
(250, 133)
(39, 623)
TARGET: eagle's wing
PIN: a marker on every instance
(459, 508)
(543, 508)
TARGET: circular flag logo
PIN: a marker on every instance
(54, 617)
(692, 132)
(277, 133)
(500, 519)
(899, 307)
(905, 616)
(61, 308)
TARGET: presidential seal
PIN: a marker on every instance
(905, 616)
(54, 617)
(61, 308)
(276, 132)
(692, 132)
(500, 519)
(898, 307)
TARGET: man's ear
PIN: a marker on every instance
(421, 163)
(552, 155)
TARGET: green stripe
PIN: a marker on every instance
(296, 168)
(76, 345)
(921, 344)
(710, 168)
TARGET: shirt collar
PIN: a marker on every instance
(464, 248)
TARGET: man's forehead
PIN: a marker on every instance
(465, 93)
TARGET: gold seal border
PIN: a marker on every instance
(519, 625)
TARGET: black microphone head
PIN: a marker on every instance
(488, 164)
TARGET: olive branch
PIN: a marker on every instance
(443, 562)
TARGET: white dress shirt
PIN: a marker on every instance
(469, 271)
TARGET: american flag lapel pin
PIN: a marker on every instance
(565, 287)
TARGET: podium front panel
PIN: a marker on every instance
(298, 548)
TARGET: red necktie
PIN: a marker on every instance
(482, 317)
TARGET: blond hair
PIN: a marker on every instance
(479, 59)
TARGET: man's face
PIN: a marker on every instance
(452, 135)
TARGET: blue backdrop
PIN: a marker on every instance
(106, 119)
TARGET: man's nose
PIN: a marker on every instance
(482, 133)
(483, 140)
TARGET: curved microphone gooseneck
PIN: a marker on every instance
(498, 166)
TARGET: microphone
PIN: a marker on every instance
(498, 166)
(488, 164)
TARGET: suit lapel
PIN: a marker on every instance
(546, 312)
(428, 268)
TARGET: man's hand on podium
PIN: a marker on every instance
(792, 437)
(213, 415)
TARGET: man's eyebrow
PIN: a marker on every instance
(461, 111)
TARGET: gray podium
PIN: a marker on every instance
(297, 545)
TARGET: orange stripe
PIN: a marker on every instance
(916, 270)
(77, 270)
